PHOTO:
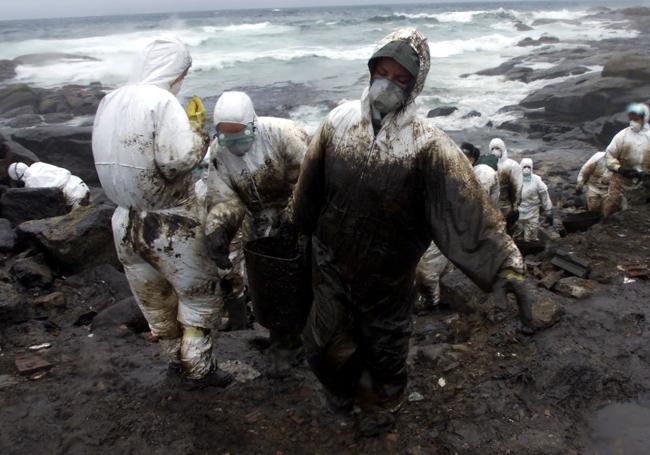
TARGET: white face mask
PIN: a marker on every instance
(635, 126)
(386, 96)
(176, 87)
(527, 172)
(496, 151)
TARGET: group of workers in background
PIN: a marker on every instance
(387, 200)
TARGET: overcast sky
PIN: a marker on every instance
(22, 9)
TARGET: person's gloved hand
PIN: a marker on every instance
(550, 218)
(196, 113)
(578, 190)
(513, 217)
(629, 173)
(512, 282)
(284, 226)
(218, 249)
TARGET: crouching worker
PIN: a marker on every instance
(43, 175)
(145, 149)
(254, 164)
(378, 185)
(595, 175)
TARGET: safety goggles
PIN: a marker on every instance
(246, 136)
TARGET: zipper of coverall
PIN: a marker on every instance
(370, 151)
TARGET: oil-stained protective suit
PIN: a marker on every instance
(628, 151)
(488, 178)
(373, 204)
(510, 178)
(259, 182)
(254, 187)
(43, 175)
(145, 151)
(534, 197)
(595, 175)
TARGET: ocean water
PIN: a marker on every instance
(323, 49)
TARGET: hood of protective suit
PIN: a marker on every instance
(527, 162)
(161, 62)
(17, 171)
(639, 109)
(497, 142)
(419, 44)
(234, 107)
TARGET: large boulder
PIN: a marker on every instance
(18, 99)
(32, 271)
(442, 111)
(7, 69)
(23, 204)
(126, 312)
(538, 42)
(104, 276)
(601, 131)
(23, 106)
(629, 66)
(80, 240)
(65, 146)
(586, 97)
(7, 236)
(73, 99)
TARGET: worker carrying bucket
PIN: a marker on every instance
(254, 164)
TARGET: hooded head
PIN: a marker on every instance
(471, 152)
(162, 63)
(16, 171)
(639, 115)
(235, 119)
(498, 149)
(410, 50)
(527, 168)
(234, 107)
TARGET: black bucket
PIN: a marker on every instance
(533, 247)
(279, 282)
(580, 221)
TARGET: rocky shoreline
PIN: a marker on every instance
(65, 301)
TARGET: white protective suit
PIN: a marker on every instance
(510, 177)
(260, 182)
(595, 175)
(145, 151)
(628, 150)
(534, 197)
(489, 180)
(43, 175)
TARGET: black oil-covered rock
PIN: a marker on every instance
(24, 204)
(77, 240)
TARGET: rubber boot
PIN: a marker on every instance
(286, 351)
(237, 314)
(174, 375)
(215, 378)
